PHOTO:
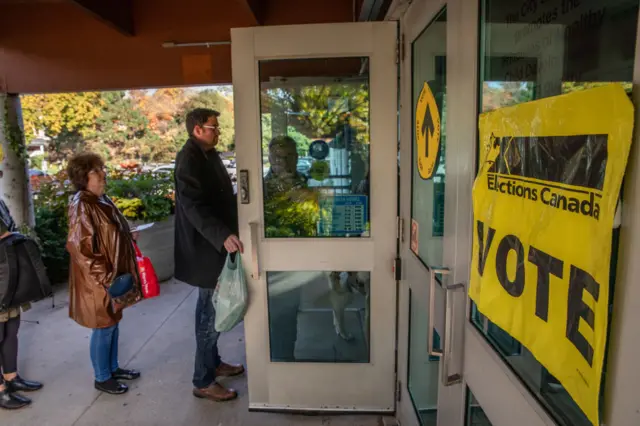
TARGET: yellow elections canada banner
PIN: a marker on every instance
(544, 202)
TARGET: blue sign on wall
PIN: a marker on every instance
(344, 215)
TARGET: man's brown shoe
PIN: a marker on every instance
(216, 392)
(229, 370)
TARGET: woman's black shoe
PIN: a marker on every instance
(121, 374)
(112, 386)
(20, 385)
(12, 401)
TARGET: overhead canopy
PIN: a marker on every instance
(79, 45)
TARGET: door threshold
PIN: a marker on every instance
(284, 409)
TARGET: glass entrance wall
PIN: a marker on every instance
(475, 414)
(536, 49)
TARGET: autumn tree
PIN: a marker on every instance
(66, 118)
(329, 108)
(320, 111)
(122, 131)
(59, 113)
(141, 125)
(576, 86)
(506, 93)
(212, 99)
(162, 109)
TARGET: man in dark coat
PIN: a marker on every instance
(206, 229)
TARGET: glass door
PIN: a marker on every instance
(431, 303)
(316, 132)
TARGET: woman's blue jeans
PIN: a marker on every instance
(104, 352)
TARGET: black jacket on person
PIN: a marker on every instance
(23, 276)
(7, 223)
(206, 215)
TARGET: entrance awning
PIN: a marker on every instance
(78, 45)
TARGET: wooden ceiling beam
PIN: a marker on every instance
(258, 9)
(118, 14)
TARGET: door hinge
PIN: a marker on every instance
(400, 49)
(400, 229)
(397, 268)
(398, 391)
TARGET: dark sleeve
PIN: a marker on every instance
(7, 220)
(197, 206)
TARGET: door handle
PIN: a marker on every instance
(445, 353)
(254, 229)
(448, 378)
(432, 310)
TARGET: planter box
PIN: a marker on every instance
(157, 244)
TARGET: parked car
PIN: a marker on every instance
(165, 168)
(303, 166)
(168, 168)
(36, 172)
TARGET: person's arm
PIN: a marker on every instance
(193, 202)
(81, 247)
(7, 218)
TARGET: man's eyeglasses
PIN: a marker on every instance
(217, 129)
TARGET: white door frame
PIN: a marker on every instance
(321, 386)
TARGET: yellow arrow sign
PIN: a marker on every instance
(427, 133)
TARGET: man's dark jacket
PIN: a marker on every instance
(206, 215)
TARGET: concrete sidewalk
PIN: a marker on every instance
(156, 337)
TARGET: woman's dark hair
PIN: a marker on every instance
(80, 166)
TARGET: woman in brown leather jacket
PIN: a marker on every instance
(101, 247)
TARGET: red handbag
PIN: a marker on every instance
(148, 278)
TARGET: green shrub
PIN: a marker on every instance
(138, 195)
(36, 162)
(142, 196)
(51, 229)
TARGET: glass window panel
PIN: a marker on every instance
(315, 147)
(429, 62)
(423, 369)
(536, 49)
(319, 316)
(427, 213)
(475, 413)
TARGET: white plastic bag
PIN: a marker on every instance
(230, 296)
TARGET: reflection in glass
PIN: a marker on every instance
(315, 148)
(534, 50)
(427, 195)
(475, 413)
(320, 316)
(423, 369)
(427, 214)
